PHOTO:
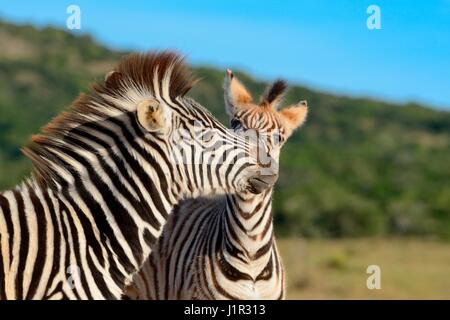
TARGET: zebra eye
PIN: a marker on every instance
(276, 138)
(208, 136)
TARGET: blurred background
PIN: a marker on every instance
(366, 181)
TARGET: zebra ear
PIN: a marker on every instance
(235, 94)
(150, 115)
(293, 117)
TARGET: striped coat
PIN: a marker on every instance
(224, 248)
(107, 175)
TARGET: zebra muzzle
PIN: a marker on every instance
(262, 182)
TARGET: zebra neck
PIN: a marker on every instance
(249, 219)
(131, 208)
(120, 199)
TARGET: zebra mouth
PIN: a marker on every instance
(260, 183)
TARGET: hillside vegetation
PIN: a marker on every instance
(358, 167)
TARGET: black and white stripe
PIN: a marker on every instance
(225, 248)
(215, 249)
(104, 185)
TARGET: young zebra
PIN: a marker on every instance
(108, 173)
(225, 248)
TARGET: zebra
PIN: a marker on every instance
(107, 174)
(225, 248)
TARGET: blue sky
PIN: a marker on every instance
(321, 44)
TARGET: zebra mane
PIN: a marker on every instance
(136, 77)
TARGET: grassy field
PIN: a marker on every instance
(336, 269)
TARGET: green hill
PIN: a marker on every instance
(358, 167)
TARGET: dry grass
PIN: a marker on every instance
(336, 269)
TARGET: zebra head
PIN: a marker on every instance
(263, 122)
(203, 155)
(140, 117)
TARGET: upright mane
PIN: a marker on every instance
(136, 76)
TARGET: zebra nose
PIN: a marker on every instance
(262, 181)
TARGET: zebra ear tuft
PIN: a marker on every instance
(235, 94)
(150, 115)
(274, 94)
